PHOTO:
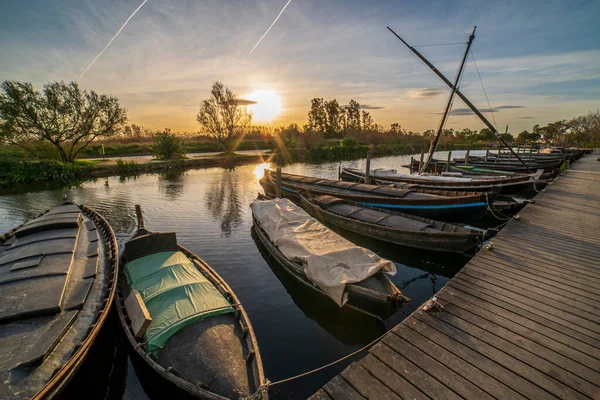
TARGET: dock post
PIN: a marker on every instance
(467, 156)
(412, 163)
(448, 161)
(278, 176)
(486, 154)
(421, 162)
(368, 168)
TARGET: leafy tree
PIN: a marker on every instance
(334, 118)
(553, 132)
(528, 137)
(223, 118)
(317, 116)
(486, 134)
(353, 116)
(367, 121)
(397, 129)
(62, 114)
(586, 128)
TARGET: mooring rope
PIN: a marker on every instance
(487, 205)
(265, 386)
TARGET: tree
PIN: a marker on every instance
(367, 121)
(397, 129)
(62, 114)
(317, 117)
(334, 118)
(353, 116)
(167, 145)
(223, 118)
(526, 136)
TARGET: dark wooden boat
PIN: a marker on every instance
(438, 166)
(507, 185)
(57, 282)
(434, 204)
(211, 351)
(376, 296)
(391, 226)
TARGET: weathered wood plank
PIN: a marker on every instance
(366, 384)
(320, 395)
(339, 389)
(394, 381)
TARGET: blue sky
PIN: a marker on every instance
(540, 61)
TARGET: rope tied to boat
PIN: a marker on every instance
(489, 208)
(265, 386)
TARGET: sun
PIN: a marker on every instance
(267, 107)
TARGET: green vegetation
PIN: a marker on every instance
(22, 172)
(127, 167)
(167, 146)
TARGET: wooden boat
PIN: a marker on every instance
(391, 226)
(200, 342)
(376, 296)
(439, 205)
(438, 166)
(57, 282)
(472, 170)
(507, 185)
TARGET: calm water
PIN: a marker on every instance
(209, 210)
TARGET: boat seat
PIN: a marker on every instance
(50, 222)
(391, 191)
(145, 245)
(342, 184)
(344, 209)
(327, 201)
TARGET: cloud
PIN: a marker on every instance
(425, 93)
(370, 107)
(467, 111)
(525, 117)
(244, 102)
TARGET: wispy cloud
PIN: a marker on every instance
(370, 107)
(468, 111)
(112, 39)
(425, 93)
(267, 31)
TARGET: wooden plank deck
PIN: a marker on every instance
(520, 320)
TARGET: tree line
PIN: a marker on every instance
(67, 119)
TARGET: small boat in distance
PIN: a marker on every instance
(391, 226)
(444, 205)
(325, 262)
(187, 328)
(58, 274)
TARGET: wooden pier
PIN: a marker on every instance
(520, 320)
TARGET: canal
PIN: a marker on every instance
(209, 210)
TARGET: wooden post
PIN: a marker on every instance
(467, 156)
(486, 154)
(421, 162)
(448, 161)
(368, 168)
(278, 176)
(412, 162)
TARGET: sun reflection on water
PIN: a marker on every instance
(259, 171)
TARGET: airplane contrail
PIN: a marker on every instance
(112, 40)
(265, 34)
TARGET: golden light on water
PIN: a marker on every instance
(267, 107)
(259, 171)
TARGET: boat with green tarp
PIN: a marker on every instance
(187, 327)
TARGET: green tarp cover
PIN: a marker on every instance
(172, 289)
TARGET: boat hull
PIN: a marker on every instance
(442, 242)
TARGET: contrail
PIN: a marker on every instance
(265, 34)
(112, 40)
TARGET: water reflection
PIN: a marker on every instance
(222, 200)
(171, 183)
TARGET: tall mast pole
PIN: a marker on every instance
(436, 138)
(459, 94)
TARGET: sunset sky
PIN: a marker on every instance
(540, 61)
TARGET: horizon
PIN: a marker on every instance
(538, 61)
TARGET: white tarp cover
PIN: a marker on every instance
(329, 260)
